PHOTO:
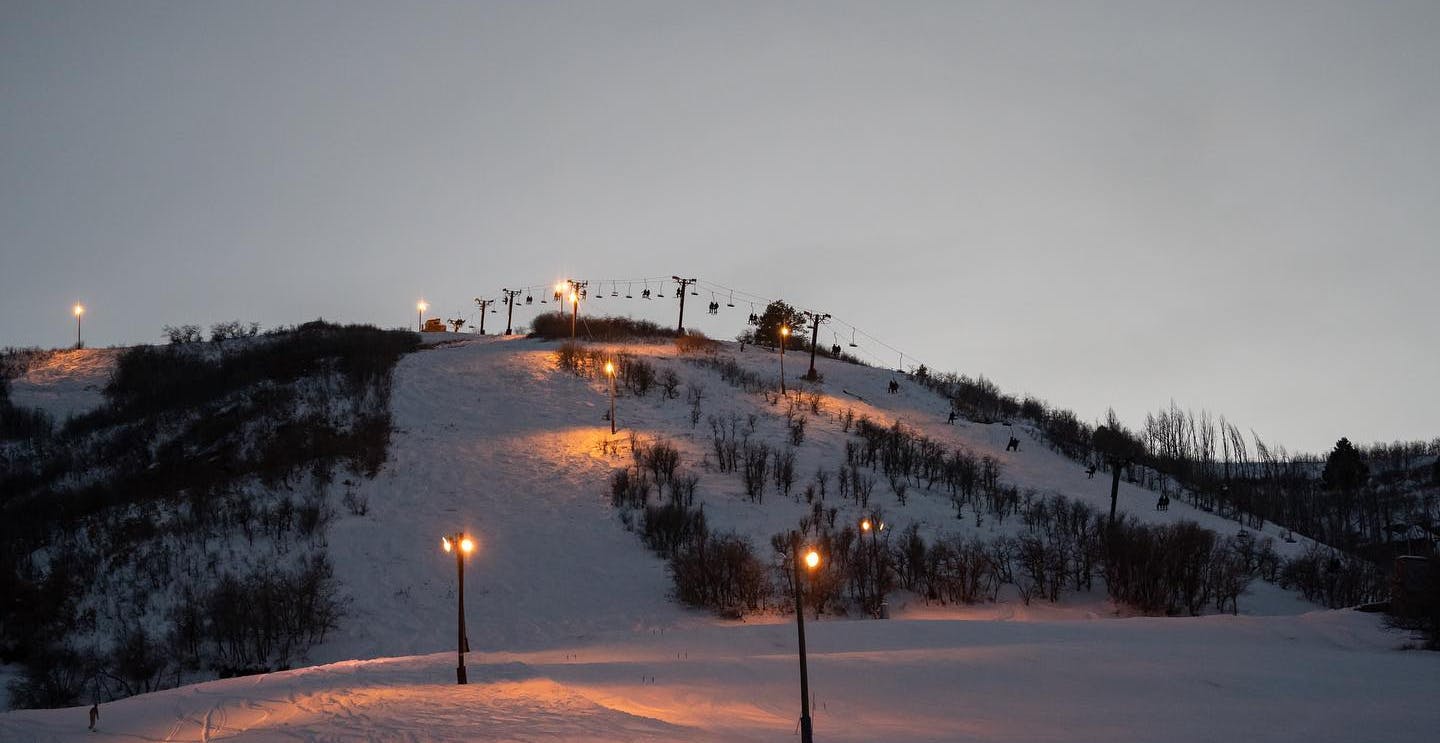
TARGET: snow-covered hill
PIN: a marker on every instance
(575, 635)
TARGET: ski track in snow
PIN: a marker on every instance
(575, 638)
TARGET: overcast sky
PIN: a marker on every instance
(1234, 205)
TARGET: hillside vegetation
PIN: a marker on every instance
(178, 530)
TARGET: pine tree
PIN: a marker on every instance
(1345, 468)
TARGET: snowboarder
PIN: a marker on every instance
(951, 419)
(94, 716)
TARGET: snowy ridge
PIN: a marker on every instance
(575, 636)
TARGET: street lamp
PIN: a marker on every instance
(873, 528)
(79, 310)
(812, 561)
(784, 336)
(461, 545)
(420, 308)
(610, 372)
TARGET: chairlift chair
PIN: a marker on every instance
(529, 299)
(628, 295)
(852, 338)
(731, 303)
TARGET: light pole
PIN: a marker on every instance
(461, 545)
(610, 372)
(784, 336)
(420, 308)
(79, 310)
(812, 561)
(873, 528)
(574, 311)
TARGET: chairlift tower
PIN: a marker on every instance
(815, 319)
(484, 305)
(684, 284)
(510, 295)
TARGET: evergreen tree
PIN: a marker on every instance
(1345, 469)
(777, 313)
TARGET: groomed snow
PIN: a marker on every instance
(1324, 676)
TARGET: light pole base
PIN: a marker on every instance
(807, 734)
(460, 675)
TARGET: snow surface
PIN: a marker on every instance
(1323, 676)
(575, 637)
(67, 382)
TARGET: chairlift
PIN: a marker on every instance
(529, 299)
(852, 338)
(628, 295)
(731, 303)
(835, 350)
(614, 290)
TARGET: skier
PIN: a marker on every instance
(951, 419)
(94, 716)
(1090, 472)
(1014, 444)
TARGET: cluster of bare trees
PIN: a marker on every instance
(717, 571)
(632, 373)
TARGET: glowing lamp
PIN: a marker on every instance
(812, 559)
(79, 310)
(865, 525)
(610, 368)
(445, 542)
(467, 545)
(422, 306)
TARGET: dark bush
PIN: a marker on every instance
(556, 325)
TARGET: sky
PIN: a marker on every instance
(1103, 204)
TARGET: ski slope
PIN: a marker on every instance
(574, 636)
